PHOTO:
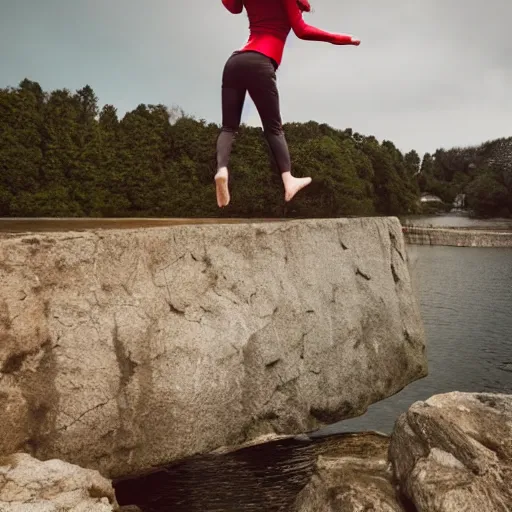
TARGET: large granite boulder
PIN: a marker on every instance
(29, 485)
(124, 349)
(453, 453)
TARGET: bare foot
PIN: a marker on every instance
(221, 187)
(292, 185)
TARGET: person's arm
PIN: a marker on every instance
(234, 6)
(309, 33)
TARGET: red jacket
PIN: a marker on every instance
(270, 22)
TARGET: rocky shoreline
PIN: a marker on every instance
(175, 368)
(451, 453)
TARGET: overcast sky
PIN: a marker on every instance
(428, 74)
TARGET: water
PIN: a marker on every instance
(261, 478)
(465, 297)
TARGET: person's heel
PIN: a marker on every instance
(221, 187)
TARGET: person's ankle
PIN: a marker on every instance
(222, 171)
(286, 177)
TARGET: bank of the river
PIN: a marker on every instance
(465, 298)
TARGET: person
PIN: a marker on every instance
(253, 69)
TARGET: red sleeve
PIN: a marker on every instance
(307, 32)
(234, 6)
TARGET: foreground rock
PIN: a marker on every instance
(126, 349)
(28, 485)
(352, 476)
(454, 453)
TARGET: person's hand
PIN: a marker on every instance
(346, 39)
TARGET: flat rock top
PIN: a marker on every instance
(25, 225)
(50, 225)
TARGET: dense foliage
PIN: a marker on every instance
(63, 156)
(483, 174)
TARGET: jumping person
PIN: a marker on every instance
(253, 69)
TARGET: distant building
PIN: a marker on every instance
(430, 198)
(460, 201)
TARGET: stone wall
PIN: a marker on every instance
(456, 237)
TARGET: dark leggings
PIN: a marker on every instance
(254, 73)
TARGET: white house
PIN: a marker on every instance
(429, 198)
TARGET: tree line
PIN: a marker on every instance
(63, 156)
(482, 173)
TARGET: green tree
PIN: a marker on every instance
(412, 162)
(20, 140)
(487, 196)
(61, 155)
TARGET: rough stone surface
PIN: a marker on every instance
(29, 485)
(124, 349)
(454, 453)
(354, 476)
